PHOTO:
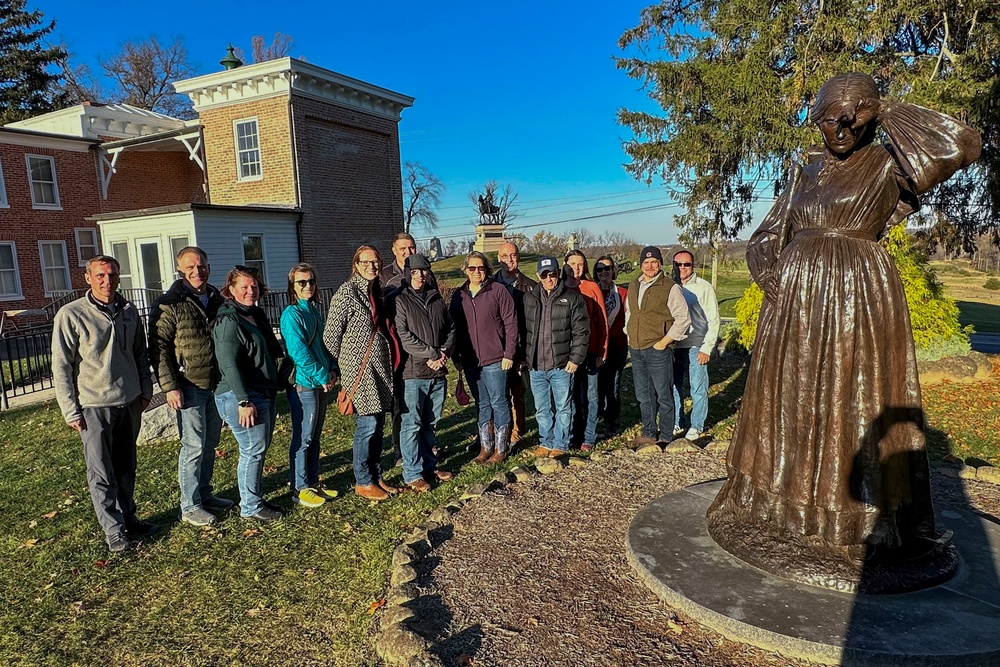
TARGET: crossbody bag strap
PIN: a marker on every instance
(364, 363)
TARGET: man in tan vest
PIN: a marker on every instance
(656, 317)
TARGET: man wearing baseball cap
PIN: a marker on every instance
(558, 333)
(656, 317)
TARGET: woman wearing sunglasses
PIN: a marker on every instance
(485, 342)
(310, 382)
(609, 378)
(359, 337)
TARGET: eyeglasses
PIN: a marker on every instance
(686, 265)
(368, 262)
(302, 283)
(477, 269)
(545, 275)
(601, 268)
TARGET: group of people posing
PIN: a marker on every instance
(384, 346)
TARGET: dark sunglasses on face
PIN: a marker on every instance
(685, 265)
(601, 268)
(302, 283)
(548, 274)
(478, 269)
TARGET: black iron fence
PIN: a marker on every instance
(25, 362)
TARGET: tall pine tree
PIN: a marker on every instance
(25, 81)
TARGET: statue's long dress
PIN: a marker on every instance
(829, 442)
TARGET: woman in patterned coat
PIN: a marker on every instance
(358, 320)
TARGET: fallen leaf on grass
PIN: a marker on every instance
(348, 527)
(375, 606)
(220, 453)
(270, 470)
(100, 563)
(310, 572)
(30, 543)
(50, 515)
(33, 524)
(250, 532)
(80, 606)
(464, 660)
(674, 626)
(257, 611)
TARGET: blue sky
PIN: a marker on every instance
(521, 92)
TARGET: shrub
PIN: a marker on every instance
(933, 316)
(992, 283)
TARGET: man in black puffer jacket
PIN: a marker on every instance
(427, 335)
(183, 360)
(558, 333)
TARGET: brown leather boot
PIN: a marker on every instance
(502, 444)
(388, 488)
(371, 492)
(486, 443)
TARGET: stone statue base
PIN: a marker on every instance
(489, 238)
(922, 564)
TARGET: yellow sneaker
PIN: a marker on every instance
(325, 493)
(308, 498)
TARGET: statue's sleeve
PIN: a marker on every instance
(928, 146)
(767, 242)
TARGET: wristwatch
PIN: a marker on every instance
(246, 404)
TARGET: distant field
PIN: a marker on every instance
(977, 306)
(731, 283)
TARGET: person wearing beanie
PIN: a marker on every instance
(427, 335)
(656, 317)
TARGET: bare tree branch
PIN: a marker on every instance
(144, 72)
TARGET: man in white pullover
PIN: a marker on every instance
(694, 352)
(102, 379)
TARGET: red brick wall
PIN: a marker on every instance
(79, 195)
(145, 179)
(278, 184)
(350, 183)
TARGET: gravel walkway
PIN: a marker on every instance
(536, 574)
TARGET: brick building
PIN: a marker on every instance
(286, 162)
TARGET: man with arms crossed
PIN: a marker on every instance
(100, 370)
(183, 358)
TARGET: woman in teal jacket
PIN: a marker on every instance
(311, 382)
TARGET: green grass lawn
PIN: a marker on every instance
(289, 593)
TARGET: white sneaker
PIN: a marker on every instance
(677, 431)
(692, 435)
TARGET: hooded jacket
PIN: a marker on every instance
(425, 330)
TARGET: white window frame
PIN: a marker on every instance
(236, 144)
(3, 189)
(50, 293)
(123, 275)
(263, 253)
(96, 245)
(57, 206)
(19, 296)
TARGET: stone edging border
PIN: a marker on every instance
(400, 646)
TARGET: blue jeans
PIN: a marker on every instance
(686, 364)
(553, 391)
(609, 386)
(308, 411)
(488, 385)
(199, 426)
(653, 376)
(253, 442)
(422, 404)
(585, 401)
(368, 448)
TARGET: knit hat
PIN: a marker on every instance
(651, 252)
(417, 262)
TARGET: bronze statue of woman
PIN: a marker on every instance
(828, 455)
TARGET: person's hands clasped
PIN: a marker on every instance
(248, 416)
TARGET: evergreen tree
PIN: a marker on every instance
(25, 81)
(734, 78)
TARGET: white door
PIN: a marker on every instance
(150, 265)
